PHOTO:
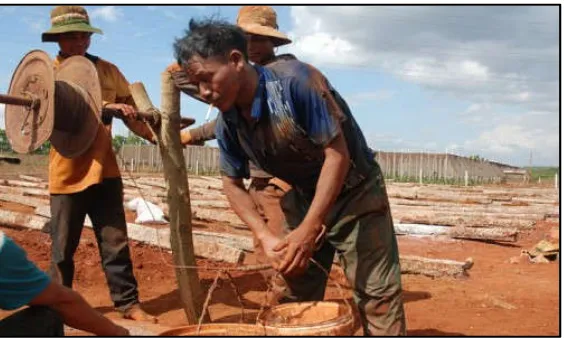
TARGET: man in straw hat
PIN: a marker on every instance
(261, 28)
(91, 184)
(287, 118)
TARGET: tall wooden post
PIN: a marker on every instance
(178, 194)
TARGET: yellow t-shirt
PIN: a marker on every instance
(67, 176)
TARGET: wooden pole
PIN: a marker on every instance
(178, 196)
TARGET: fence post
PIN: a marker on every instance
(556, 181)
(465, 178)
(420, 175)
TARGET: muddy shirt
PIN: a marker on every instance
(206, 132)
(296, 114)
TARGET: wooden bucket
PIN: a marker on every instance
(217, 329)
(319, 318)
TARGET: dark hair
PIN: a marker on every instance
(209, 38)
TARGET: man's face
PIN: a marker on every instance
(74, 43)
(260, 49)
(217, 80)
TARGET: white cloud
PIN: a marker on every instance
(374, 96)
(108, 13)
(501, 60)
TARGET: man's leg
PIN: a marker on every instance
(310, 286)
(37, 321)
(67, 220)
(370, 259)
(108, 218)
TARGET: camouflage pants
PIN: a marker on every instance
(360, 230)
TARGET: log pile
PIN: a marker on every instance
(474, 213)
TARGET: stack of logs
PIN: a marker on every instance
(496, 214)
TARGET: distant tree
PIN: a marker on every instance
(477, 158)
(119, 141)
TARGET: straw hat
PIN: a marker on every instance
(68, 19)
(261, 20)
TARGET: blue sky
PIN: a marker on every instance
(463, 79)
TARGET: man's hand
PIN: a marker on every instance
(299, 246)
(268, 242)
(127, 110)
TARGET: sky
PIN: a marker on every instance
(467, 80)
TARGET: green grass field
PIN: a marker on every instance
(543, 172)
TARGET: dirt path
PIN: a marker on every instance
(499, 298)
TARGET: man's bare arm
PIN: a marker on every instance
(300, 243)
(76, 312)
(245, 208)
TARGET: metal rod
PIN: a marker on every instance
(16, 100)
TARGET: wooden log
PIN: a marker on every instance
(178, 193)
(31, 202)
(465, 221)
(467, 213)
(208, 194)
(155, 194)
(31, 178)
(211, 204)
(484, 234)
(16, 219)
(430, 206)
(434, 267)
(226, 216)
(152, 183)
(212, 246)
(159, 236)
(536, 200)
(236, 241)
(205, 184)
(136, 184)
(24, 191)
(26, 184)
